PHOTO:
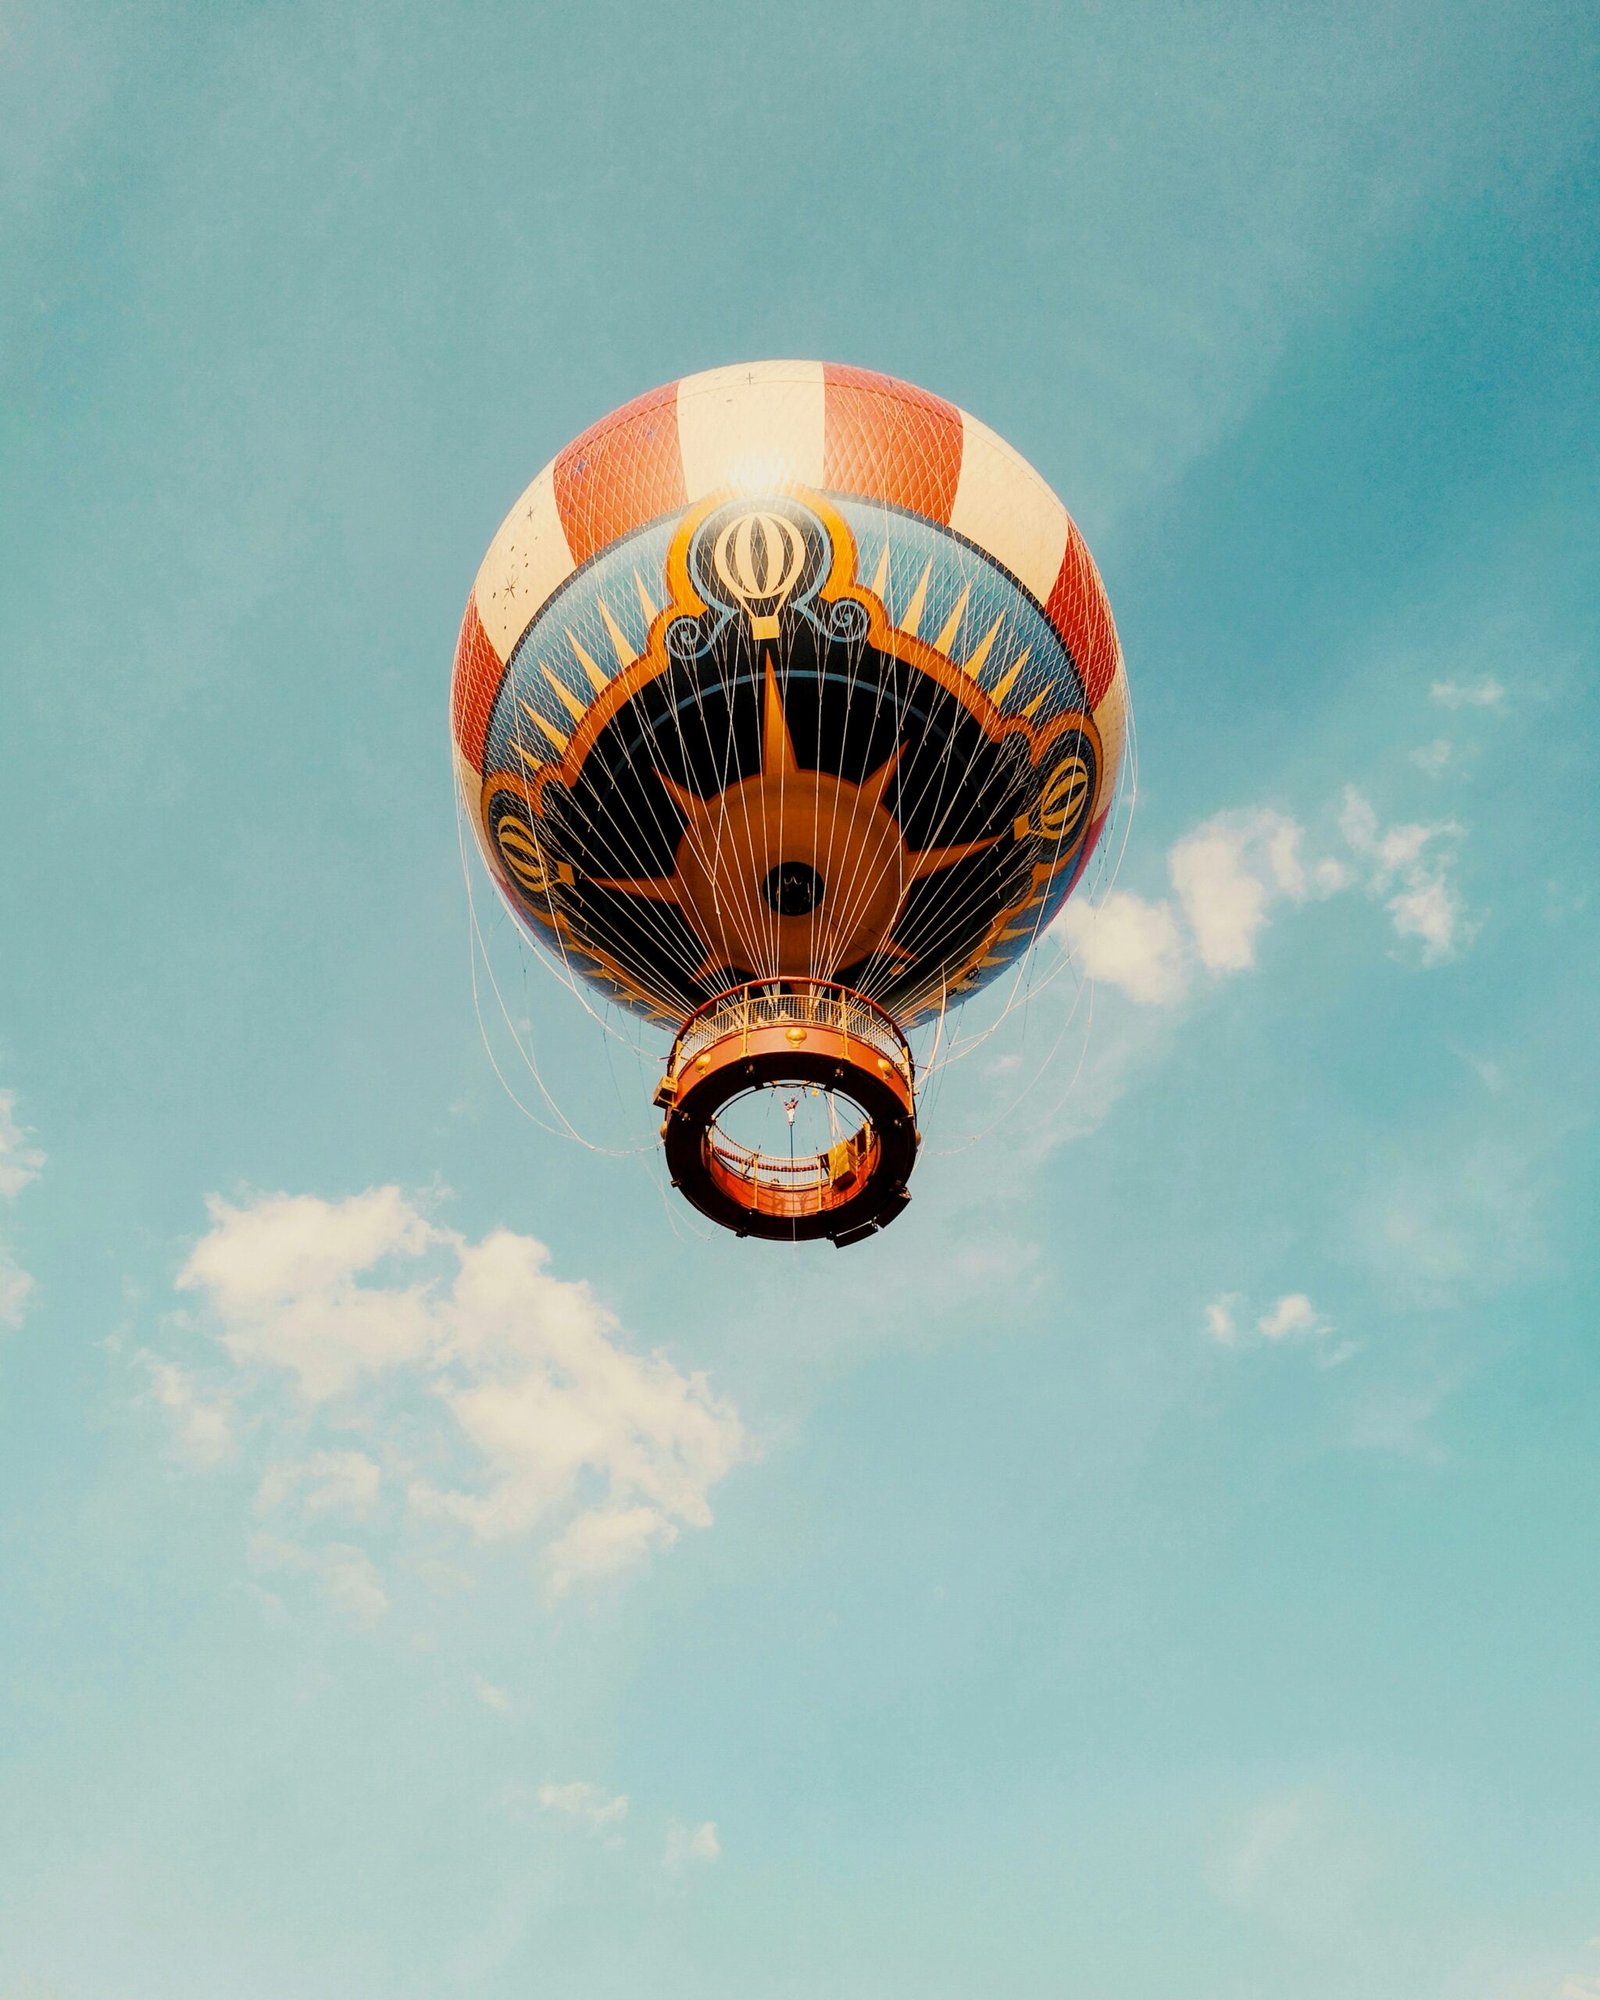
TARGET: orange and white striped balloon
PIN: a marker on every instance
(788, 669)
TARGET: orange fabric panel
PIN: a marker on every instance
(1079, 611)
(622, 472)
(474, 687)
(891, 442)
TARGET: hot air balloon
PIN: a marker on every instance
(788, 710)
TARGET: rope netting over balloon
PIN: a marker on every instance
(1034, 1020)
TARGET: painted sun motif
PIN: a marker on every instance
(770, 772)
(794, 869)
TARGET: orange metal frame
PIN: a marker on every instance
(791, 1031)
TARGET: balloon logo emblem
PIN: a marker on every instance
(759, 558)
(521, 853)
(1064, 797)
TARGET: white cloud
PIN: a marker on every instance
(1409, 867)
(1433, 757)
(1290, 1318)
(351, 1583)
(524, 1415)
(1392, 850)
(1293, 1314)
(1490, 1074)
(202, 1423)
(1487, 693)
(1582, 1985)
(604, 1540)
(1127, 942)
(1432, 913)
(491, 1696)
(1231, 872)
(15, 1285)
(346, 1575)
(282, 1275)
(1227, 874)
(586, 1803)
(1230, 876)
(327, 1482)
(20, 1163)
(686, 1844)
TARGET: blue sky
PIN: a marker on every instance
(1163, 1564)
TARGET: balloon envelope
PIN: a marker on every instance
(787, 670)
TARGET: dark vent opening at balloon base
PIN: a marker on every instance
(790, 1112)
(793, 889)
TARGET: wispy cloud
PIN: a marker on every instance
(338, 1327)
(1229, 872)
(16, 1285)
(1458, 1215)
(21, 1162)
(1409, 869)
(592, 1807)
(1226, 876)
(1581, 1983)
(1232, 877)
(201, 1420)
(601, 1815)
(1149, 950)
(1130, 944)
(1485, 693)
(1305, 1859)
(1434, 758)
(1222, 1318)
(1294, 1314)
(1272, 1832)
(1290, 1319)
(327, 1482)
(346, 1575)
(1234, 872)
(690, 1844)
(1397, 1422)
